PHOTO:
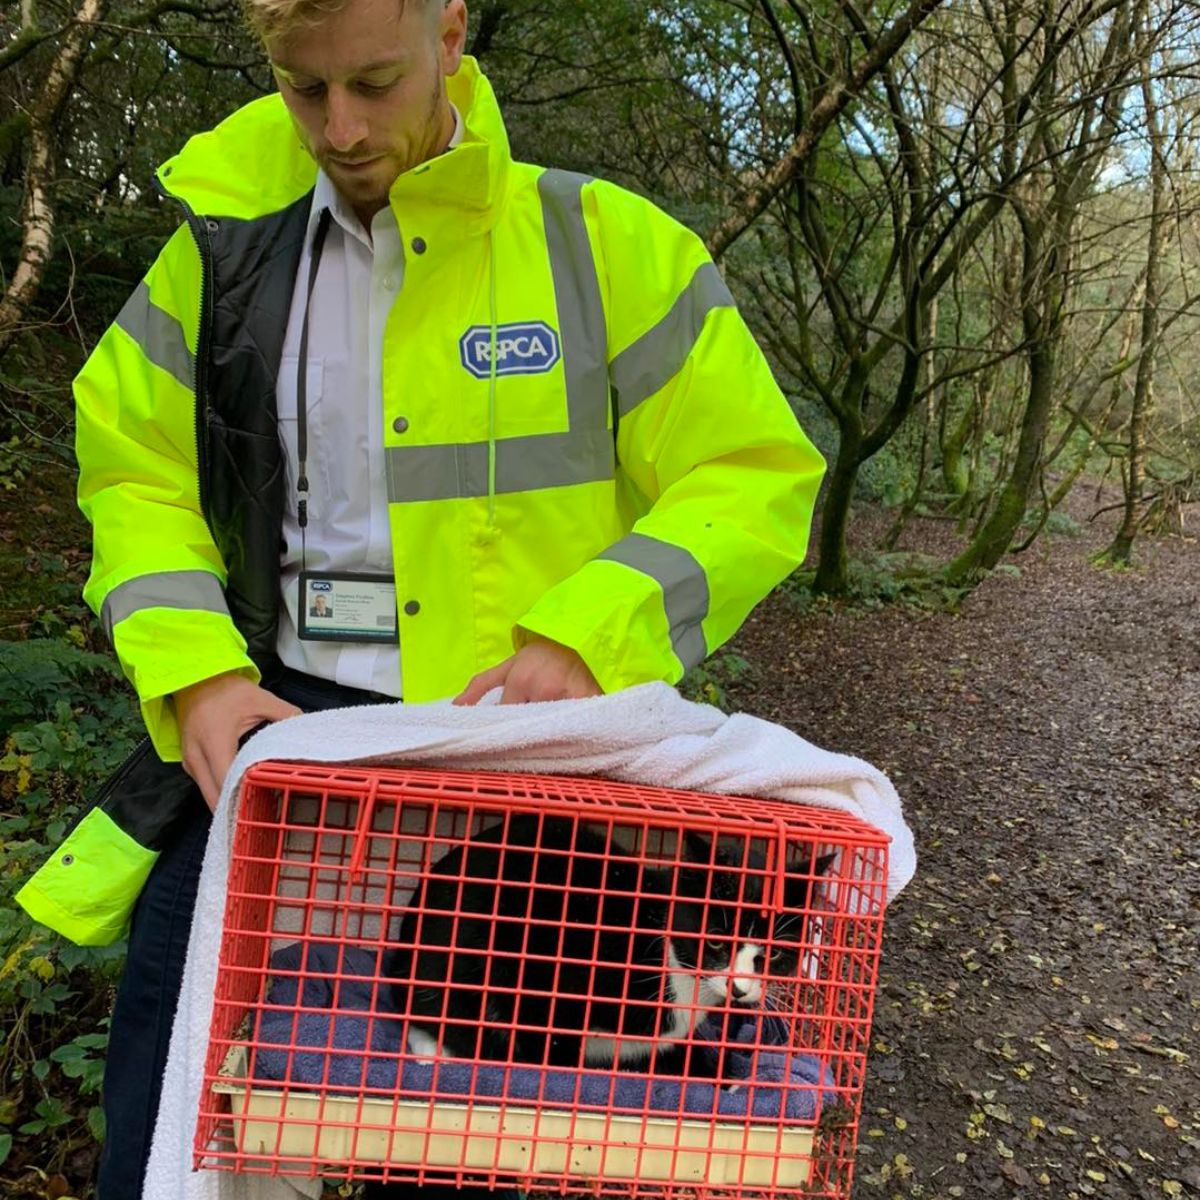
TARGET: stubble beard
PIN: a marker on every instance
(370, 194)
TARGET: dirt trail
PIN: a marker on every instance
(1038, 1025)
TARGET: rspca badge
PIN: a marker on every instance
(530, 348)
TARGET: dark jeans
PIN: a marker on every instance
(145, 1006)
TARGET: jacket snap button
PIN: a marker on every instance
(412, 608)
(212, 226)
(400, 424)
(418, 245)
(67, 859)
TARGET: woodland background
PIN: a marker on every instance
(965, 232)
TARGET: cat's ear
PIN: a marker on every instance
(697, 849)
(822, 865)
(807, 865)
(802, 878)
(797, 891)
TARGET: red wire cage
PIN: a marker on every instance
(552, 983)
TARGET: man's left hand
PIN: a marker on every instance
(542, 670)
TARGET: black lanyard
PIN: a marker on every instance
(302, 490)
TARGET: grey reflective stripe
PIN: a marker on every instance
(581, 323)
(659, 354)
(684, 586)
(523, 464)
(159, 335)
(169, 589)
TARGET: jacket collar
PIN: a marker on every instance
(253, 164)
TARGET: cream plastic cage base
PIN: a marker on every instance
(331, 1130)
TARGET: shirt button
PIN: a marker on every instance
(412, 608)
(389, 283)
(400, 424)
(418, 245)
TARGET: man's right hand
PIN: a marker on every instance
(214, 715)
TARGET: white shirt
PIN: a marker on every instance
(359, 276)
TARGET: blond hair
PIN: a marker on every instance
(277, 18)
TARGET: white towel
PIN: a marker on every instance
(647, 734)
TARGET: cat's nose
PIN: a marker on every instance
(742, 989)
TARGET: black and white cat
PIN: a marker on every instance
(566, 950)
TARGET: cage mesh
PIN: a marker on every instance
(552, 983)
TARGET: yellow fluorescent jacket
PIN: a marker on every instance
(619, 472)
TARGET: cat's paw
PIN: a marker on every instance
(424, 1046)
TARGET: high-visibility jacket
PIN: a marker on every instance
(583, 441)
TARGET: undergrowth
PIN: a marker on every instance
(67, 722)
(877, 579)
(711, 682)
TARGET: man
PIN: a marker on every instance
(513, 411)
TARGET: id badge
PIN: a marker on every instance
(342, 607)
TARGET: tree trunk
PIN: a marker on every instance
(1092, 427)
(1120, 552)
(833, 564)
(981, 408)
(892, 537)
(955, 475)
(995, 536)
(37, 214)
(491, 17)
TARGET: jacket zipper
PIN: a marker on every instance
(110, 784)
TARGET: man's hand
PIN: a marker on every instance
(542, 670)
(214, 715)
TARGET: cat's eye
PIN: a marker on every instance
(716, 945)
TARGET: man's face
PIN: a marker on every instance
(320, 602)
(366, 90)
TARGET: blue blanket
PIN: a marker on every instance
(793, 1085)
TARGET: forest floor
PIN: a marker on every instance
(1037, 1026)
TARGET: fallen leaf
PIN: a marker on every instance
(1017, 1173)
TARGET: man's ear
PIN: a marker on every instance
(452, 34)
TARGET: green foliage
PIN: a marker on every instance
(888, 477)
(879, 579)
(37, 676)
(709, 683)
(1058, 523)
(68, 722)
(15, 463)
